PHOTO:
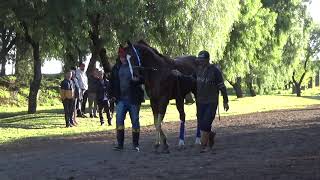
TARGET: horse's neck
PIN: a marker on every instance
(157, 63)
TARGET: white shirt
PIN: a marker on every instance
(82, 78)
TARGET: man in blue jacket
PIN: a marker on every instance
(127, 91)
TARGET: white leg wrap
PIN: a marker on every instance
(197, 141)
(181, 142)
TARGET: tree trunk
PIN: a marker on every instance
(35, 83)
(96, 41)
(3, 64)
(237, 87)
(310, 84)
(298, 89)
(93, 60)
(23, 58)
(70, 60)
(8, 40)
(297, 85)
(37, 76)
(249, 82)
(104, 60)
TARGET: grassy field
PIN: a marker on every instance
(17, 125)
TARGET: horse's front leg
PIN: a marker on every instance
(180, 107)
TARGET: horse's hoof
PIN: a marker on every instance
(211, 139)
(197, 142)
(165, 149)
(181, 143)
(156, 147)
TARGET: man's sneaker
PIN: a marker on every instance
(102, 123)
(118, 148)
(91, 116)
(83, 116)
(95, 116)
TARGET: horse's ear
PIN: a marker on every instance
(129, 43)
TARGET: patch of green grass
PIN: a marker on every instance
(16, 124)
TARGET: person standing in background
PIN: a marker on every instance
(67, 97)
(77, 95)
(93, 82)
(83, 84)
(103, 98)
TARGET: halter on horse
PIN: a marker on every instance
(161, 85)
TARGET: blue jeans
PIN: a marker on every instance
(123, 106)
(205, 115)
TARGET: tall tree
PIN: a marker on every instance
(32, 18)
(309, 50)
(248, 36)
(7, 41)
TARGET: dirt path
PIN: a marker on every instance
(272, 145)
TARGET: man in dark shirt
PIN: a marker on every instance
(103, 98)
(67, 97)
(209, 83)
(127, 91)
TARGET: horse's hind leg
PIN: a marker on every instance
(157, 139)
(180, 107)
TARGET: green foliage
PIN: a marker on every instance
(18, 96)
(249, 36)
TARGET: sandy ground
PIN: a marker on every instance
(271, 145)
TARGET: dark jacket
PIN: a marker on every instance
(93, 83)
(103, 90)
(209, 83)
(66, 89)
(77, 90)
(136, 93)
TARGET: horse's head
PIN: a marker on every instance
(135, 54)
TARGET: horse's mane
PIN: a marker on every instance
(155, 51)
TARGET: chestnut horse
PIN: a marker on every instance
(161, 85)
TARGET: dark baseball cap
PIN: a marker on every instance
(203, 55)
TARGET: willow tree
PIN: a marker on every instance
(186, 27)
(307, 50)
(248, 36)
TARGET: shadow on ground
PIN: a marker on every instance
(249, 151)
